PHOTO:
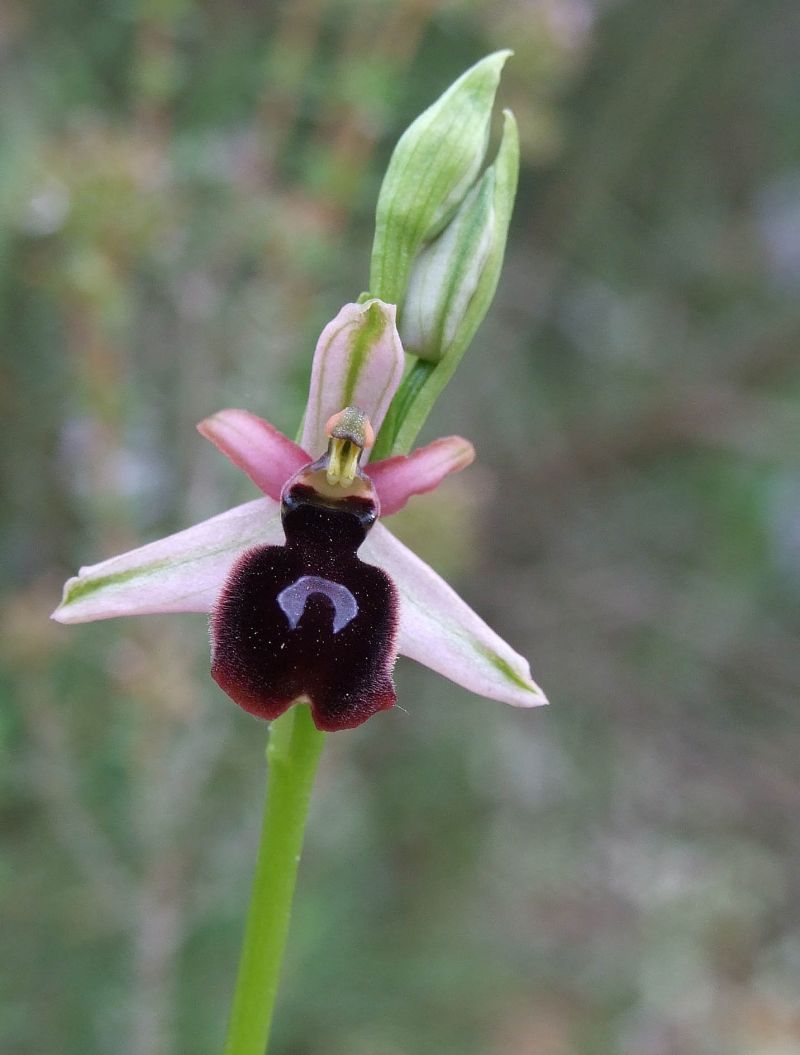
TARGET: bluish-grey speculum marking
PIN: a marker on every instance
(293, 599)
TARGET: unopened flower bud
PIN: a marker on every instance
(453, 282)
(431, 170)
(454, 279)
(447, 273)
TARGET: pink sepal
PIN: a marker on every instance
(440, 630)
(181, 573)
(358, 362)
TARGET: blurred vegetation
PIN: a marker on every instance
(186, 196)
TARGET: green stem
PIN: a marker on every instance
(293, 753)
(402, 404)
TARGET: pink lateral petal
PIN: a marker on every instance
(440, 630)
(358, 362)
(267, 456)
(397, 479)
(181, 573)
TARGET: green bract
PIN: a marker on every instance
(431, 170)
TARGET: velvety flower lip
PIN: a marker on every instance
(359, 361)
(310, 619)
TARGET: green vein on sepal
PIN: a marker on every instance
(79, 588)
(504, 667)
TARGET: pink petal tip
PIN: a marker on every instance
(267, 456)
(397, 479)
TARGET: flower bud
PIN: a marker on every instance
(454, 279)
(431, 170)
(446, 275)
(453, 282)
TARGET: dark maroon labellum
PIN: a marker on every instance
(309, 619)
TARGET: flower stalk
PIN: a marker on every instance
(293, 753)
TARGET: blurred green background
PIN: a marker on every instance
(186, 197)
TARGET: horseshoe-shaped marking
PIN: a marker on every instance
(293, 599)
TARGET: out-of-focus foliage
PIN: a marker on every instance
(186, 196)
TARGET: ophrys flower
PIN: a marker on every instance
(358, 363)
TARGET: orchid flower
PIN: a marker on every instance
(281, 629)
